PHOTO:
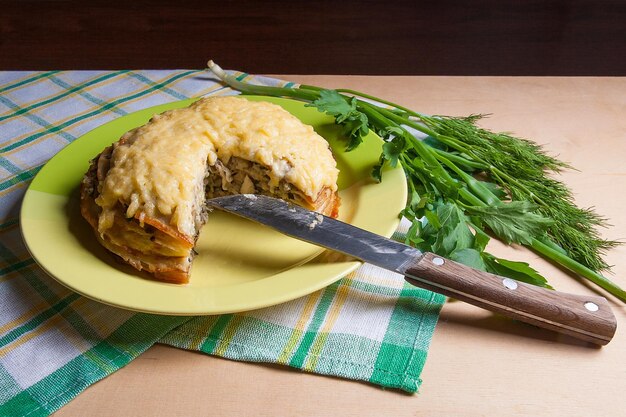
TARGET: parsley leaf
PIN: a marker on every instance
(393, 148)
(331, 102)
(355, 123)
(470, 257)
(520, 271)
(446, 230)
(514, 222)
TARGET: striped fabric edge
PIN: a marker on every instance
(396, 366)
(111, 354)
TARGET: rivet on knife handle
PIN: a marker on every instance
(585, 317)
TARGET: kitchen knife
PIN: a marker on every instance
(585, 317)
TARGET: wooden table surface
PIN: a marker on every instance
(479, 364)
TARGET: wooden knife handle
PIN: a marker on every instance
(585, 317)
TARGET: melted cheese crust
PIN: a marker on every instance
(158, 169)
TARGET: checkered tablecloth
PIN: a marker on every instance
(369, 326)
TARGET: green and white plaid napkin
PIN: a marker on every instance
(369, 326)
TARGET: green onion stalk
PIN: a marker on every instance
(467, 184)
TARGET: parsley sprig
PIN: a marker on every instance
(467, 184)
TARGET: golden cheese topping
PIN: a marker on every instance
(159, 168)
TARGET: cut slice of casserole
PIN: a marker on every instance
(145, 195)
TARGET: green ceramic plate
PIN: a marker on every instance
(240, 266)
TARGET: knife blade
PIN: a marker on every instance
(588, 318)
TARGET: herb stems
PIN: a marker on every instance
(462, 180)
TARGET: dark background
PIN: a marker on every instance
(481, 37)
